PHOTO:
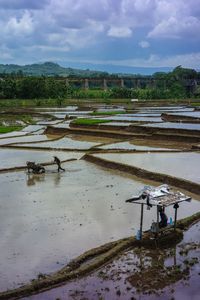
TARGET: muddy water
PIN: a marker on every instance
(182, 165)
(24, 139)
(174, 125)
(64, 143)
(130, 146)
(10, 158)
(115, 281)
(45, 220)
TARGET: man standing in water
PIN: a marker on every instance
(57, 161)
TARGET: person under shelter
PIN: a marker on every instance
(163, 217)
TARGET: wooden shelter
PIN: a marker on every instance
(160, 197)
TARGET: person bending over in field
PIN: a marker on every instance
(57, 161)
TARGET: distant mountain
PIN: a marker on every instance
(48, 69)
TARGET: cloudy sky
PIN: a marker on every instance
(102, 34)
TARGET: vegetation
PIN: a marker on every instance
(47, 69)
(178, 84)
(83, 121)
(6, 129)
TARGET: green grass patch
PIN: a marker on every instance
(6, 129)
(107, 113)
(195, 104)
(89, 121)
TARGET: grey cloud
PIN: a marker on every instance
(74, 24)
(23, 4)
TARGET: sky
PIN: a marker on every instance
(110, 35)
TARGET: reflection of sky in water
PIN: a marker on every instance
(194, 114)
(183, 165)
(12, 158)
(64, 143)
(175, 125)
(48, 122)
(68, 108)
(43, 217)
(13, 133)
(31, 128)
(27, 138)
(164, 109)
(129, 146)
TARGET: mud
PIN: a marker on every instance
(89, 131)
(180, 118)
(164, 134)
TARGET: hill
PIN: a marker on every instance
(48, 69)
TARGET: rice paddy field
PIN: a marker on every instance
(48, 220)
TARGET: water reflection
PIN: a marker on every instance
(57, 178)
(32, 179)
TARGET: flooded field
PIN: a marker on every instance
(32, 128)
(135, 119)
(46, 220)
(63, 143)
(141, 275)
(174, 125)
(194, 114)
(183, 165)
(52, 213)
(27, 138)
(130, 146)
(11, 158)
(13, 133)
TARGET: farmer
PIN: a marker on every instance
(163, 218)
(57, 161)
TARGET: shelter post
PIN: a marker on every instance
(176, 206)
(141, 220)
(157, 217)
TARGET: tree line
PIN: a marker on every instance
(168, 85)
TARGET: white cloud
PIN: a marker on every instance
(21, 26)
(175, 28)
(70, 26)
(144, 44)
(120, 32)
